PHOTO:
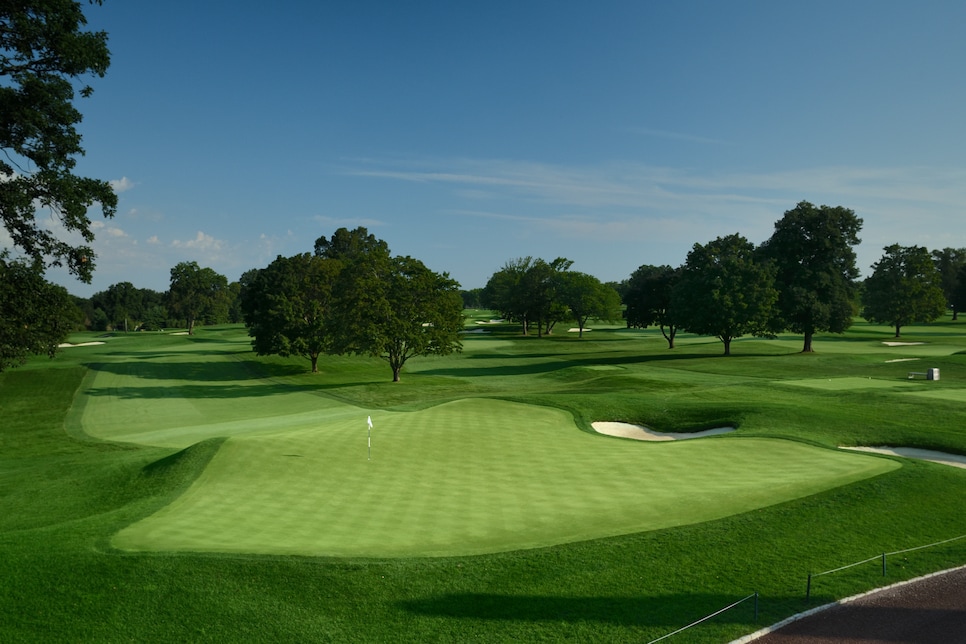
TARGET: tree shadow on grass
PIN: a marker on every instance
(199, 370)
(215, 391)
(673, 611)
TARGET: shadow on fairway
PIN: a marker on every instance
(623, 611)
(201, 371)
(528, 367)
(216, 391)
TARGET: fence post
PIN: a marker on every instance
(883, 564)
(808, 588)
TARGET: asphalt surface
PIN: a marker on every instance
(929, 611)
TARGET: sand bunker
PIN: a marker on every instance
(914, 452)
(641, 433)
(80, 344)
(902, 344)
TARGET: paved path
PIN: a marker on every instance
(931, 611)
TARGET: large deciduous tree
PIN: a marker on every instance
(905, 288)
(950, 262)
(286, 306)
(395, 308)
(725, 291)
(647, 296)
(198, 293)
(811, 249)
(44, 53)
(586, 297)
(43, 313)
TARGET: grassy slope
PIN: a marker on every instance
(60, 500)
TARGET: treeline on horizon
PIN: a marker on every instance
(803, 279)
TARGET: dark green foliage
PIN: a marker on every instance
(43, 51)
(951, 262)
(811, 249)
(585, 298)
(287, 306)
(905, 288)
(198, 294)
(724, 291)
(35, 315)
(647, 296)
(395, 309)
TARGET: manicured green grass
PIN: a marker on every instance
(472, 477)
(147, 399)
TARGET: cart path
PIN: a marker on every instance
(928, 611)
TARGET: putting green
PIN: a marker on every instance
(839, 384)
(469, 477)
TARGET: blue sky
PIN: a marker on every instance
(466, 134)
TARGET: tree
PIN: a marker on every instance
(395, 308)
(347, 245)
(950, 262)
(44, 51)
(586, 298)
(286, 306)
(724, 291)
(811, 249)
(647, 296)
(504, 291)
(37, 315)
(905, 288)
(196, 293)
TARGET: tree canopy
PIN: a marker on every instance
(286, 306)
(395, 308)
(44, 51)
(647, 296)
(586, 297)
(198, 293)
(43, 313)
(811, 249)
(950, 262)
(725, 291)
(905, 287)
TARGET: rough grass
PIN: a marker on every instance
(63, 496)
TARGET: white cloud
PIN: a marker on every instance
(153, 240)
(201, 242)
(121, 185)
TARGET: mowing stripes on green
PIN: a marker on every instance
(840, 384)
(470, 477)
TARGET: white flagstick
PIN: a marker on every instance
(369, 420)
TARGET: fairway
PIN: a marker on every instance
(471, 477)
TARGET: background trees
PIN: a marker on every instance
(396, 308)
(905, 287)
(647, 296)
(586, 297)
(352, 296)
(44, 312)
(286, 306)
(950, 262)
(811, 249)
(724, 291)
(43, 51)
(198, 293)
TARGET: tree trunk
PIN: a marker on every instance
(669, 336)
(727, 344)
(898, 326)
(808, 342)
(315, 362)
(395, 373)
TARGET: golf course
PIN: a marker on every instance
(164, 487)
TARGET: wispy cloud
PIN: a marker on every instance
(677, 136)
